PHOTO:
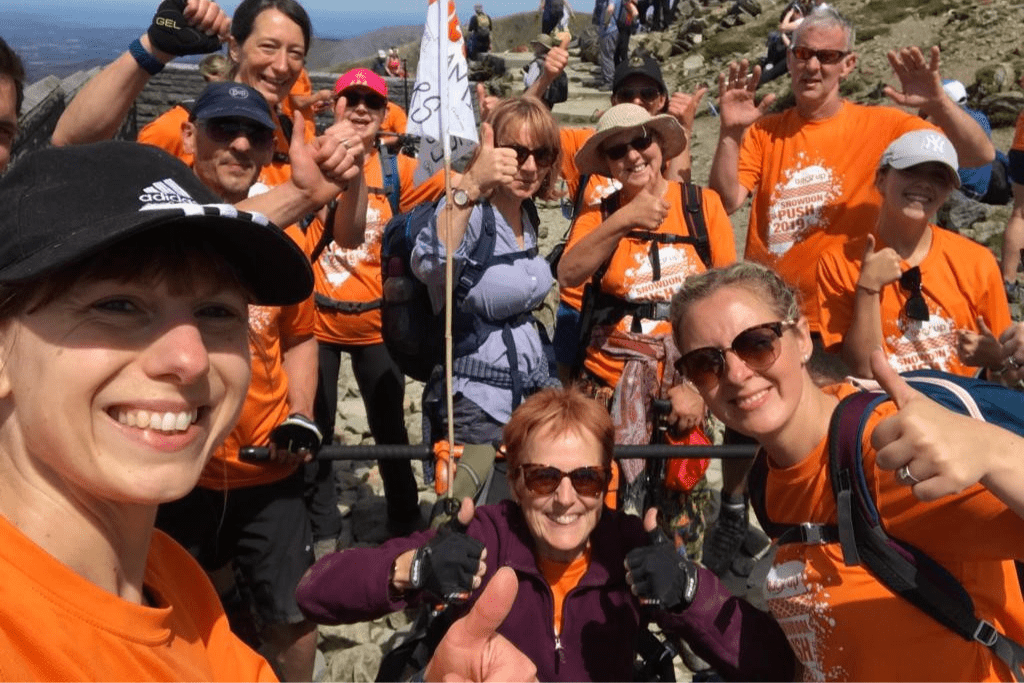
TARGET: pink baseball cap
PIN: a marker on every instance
(363, 77)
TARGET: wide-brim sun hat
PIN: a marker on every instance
(64, 205)
(623, 117)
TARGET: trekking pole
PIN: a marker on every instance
(405, 82)
(423, 452)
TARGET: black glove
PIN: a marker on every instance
(296, 433)
(445, 566)
(661, 576)
(171, 32)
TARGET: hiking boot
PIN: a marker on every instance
(726, 537)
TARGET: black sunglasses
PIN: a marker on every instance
(543, 156)
(544, 479)
(647, 93)
(371, 99)
(758, 346)
(616, 152)
(225, 130)
(916, 307)
(824, 56)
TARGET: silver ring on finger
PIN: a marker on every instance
(905, 477)
(1013, 363)
(344, 142)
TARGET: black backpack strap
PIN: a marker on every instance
(390, 179)
(286, 128)
(902, 568)
(693, 212)
(349, 307)
(328, 234)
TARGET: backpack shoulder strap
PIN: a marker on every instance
(693, 212)
(478, 259)
(390, 179)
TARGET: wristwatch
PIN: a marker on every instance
(460, 198)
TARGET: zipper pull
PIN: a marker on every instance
(558, 649)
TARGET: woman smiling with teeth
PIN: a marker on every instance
(637, 248)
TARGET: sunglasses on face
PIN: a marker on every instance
(759, 347)
(372, 100)
(824, 56)
(616, 152)
(542, 156)
(916, 307)
(544, 479)
(224, 131)
(646, 93)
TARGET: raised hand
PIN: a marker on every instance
(451, 565)
(1012, 341)
(657, 574)
(191, 28)
(322, 167)
(684, 107)
(919, 78)
(493, 166)
(472, 649)
(979, 349)
(557, 58)
(737, 105)
(487, 101)
(647, 210)
(878, 268)
(687, 407)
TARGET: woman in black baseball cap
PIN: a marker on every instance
(124, 293)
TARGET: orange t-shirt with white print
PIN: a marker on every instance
(629, 270)
(354, 274)
(266, 404)
(812, 184)
(55, 625)
(165, 132)
(960, 280)
(598, 187)
(843, 624)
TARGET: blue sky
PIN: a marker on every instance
(330, 17)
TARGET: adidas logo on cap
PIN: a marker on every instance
(165, 192)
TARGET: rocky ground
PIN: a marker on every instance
(986, 58)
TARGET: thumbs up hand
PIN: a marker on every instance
(979, 349)
(934, 450)
(493, 166)
(658, 574)
(878, 268)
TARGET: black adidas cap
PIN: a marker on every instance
(65, 204)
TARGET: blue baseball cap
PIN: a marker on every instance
(224, 99)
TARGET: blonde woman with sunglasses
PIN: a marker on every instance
(745, 344)
(589, 578)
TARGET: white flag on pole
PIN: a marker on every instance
(442, 102)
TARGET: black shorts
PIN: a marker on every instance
(264, 530)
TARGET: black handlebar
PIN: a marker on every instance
(423, 452)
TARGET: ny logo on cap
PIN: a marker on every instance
(935, 143)
(238, 93)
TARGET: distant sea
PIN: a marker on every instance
(61, 45)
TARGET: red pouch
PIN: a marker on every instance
(682, 474)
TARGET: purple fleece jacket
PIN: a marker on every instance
(601, 617)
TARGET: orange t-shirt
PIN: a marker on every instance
(56, 625)
(354, 274)
(598, 187)
(395, 119)
(813, 186)
(843, 624)
(165, 132)
(562, 577)
(629, 271)
(266, 404)
(960, 280)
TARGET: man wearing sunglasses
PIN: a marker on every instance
(810, 169)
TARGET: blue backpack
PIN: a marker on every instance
(860, 530)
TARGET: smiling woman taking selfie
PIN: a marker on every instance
(125, 362)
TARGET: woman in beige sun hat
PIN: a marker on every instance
(637, 249)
